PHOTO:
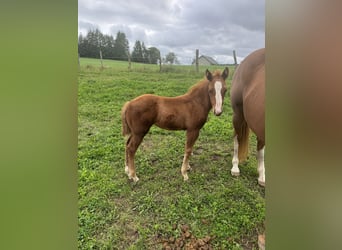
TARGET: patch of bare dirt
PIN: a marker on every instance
(186, 241)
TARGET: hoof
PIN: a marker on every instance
(261, 241)
(235, 173)
(261, 183)
(134, 178)
(185, 177)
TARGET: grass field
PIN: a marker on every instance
(161, 211)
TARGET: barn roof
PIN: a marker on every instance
(209, 59)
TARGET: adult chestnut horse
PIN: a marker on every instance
(247, 96)
(186, 112)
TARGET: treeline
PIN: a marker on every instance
(117, 49)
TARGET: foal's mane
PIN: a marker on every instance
(204, 82)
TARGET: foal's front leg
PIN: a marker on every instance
(191, 137)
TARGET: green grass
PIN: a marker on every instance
(115, 213)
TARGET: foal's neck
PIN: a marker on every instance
(199, 93)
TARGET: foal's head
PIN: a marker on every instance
(217, 89)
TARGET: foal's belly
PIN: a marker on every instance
(171, 122)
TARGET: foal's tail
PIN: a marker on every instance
(125, 128)
(243, 139)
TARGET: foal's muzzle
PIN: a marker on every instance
(217, 112)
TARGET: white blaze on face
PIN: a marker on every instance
(218, 97)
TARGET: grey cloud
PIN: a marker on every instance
(214, 27)
(85, 26)
(132, 33)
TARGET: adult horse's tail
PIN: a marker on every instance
(243, 140)
(125, 128)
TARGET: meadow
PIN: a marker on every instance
(213, 210)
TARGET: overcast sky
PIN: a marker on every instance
(215, 27)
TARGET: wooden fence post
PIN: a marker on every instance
(101, 59)
(235, 61)
(129, 61)
(160, 63)
(196, 60)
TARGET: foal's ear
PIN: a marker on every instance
(225, 73)
(208, 75)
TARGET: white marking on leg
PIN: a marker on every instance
(261, 166)
(218, 97)
(185, 167)
(235, 171)
(135, 178)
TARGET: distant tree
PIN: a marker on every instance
(171, 58)
(118, 48)
(153, 55)
(137, 53)
(108, 47)
(121, 47)
(89, 46)
(145, 54)
(94, 43)
(82, 45)
(141, 54)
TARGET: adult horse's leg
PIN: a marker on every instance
(235, 171)
(241, 134)
(261, 163)
(191, 137)
(132, 145)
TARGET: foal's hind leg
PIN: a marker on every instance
(132, 145)
(261, 163)
(126, 156)
(191, 137)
